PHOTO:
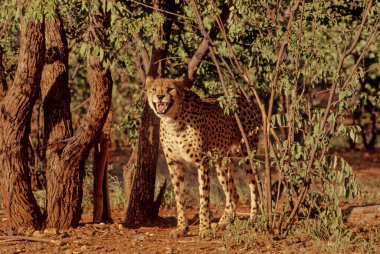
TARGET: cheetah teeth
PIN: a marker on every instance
(161, 107)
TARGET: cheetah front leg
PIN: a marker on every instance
(204, 209)
(177, 178)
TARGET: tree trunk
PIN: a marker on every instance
(141, 206)
(140, 201)
(102, 207)
(56, 105)
(16, 108)
(65, 196)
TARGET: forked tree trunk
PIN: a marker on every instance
(16, 107)
(102, 207)
(67, 170)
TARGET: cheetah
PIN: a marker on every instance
(189, 128)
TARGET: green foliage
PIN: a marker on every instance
(216, 156)
(117, 194)
(228, 103)
(132, 121)
(337, 181)
(301, 79)
(245, 233)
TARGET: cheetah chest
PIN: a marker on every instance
(182, 144)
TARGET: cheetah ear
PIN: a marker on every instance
(180, 80)
(183, 82)
(148, 82)
(179, 83)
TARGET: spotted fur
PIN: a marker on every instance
(191, 127)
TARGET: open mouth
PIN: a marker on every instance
(162, 107)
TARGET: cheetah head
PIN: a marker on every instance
(164, 95)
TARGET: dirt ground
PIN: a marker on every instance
(114, 238)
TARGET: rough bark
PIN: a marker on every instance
(102, 207)
(16, 107)
(3, 81)
(56, 105)
(64, 206)
(141, 174)
(140, 204)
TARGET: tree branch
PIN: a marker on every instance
(203, 47)
(139, 44)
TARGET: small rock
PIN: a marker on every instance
(102, 225)
(38, 234)
(223, 249)
(51, 231)
(68, 251)
(64, 235)
(169, 250)
(11, 232)
(57, 242)
(4, 219)
(83, 248)
(120, 226)
(139, 237)
(29, 231)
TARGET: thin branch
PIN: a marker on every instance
(372, 38)
(297, 64)
(357, 37)
(75, 72)
(139, 66)
(162, 10)
(81, 104)
(143, 51)
(279, 60)
(29, 238)
(73, 42)
(280, 55)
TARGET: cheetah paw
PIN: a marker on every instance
(204, 233)
(179, 232)
(220, 226)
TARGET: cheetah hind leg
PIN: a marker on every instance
(226, 179)
(252, 188)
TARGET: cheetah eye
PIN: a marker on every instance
(154, 89)
(170, 89)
